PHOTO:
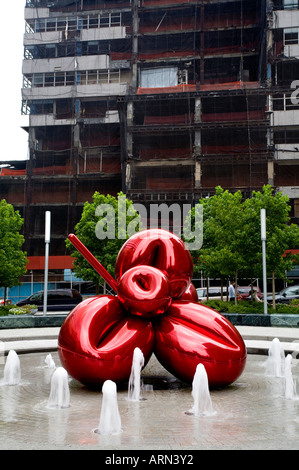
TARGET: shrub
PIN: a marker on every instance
(4, 310)
(247, 306)
(14, 310)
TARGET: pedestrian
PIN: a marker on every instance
(231, 292)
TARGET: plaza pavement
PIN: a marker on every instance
(250, 414)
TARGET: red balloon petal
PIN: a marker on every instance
(160, 249)
(189, 333)
(144, 291)
(98, 338)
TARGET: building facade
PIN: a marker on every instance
(162, 99)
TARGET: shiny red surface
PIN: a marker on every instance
(144, 291)
(153, 269)
(189, 334)
(190, 294)
(99, 268)
(97, 341)
(162, 250)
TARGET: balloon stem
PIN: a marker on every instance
(99, 268)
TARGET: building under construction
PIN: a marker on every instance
(162, 99)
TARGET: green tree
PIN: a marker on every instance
(104, 226)
(13, 260)
(221, 255)
(232, 235)
(281, 235)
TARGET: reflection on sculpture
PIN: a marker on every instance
(154, 309)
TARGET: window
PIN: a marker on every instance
(103, 76)
(51, 24)
(291, 36)
(93, 21)
(40, 25)
(59, 79)
(290, 4)
(114, 76)
(72, 24)
(105, 20)
(41, 107)
(84, 77)
(38, 80)
(70, 78)
(36, 297)
(92, 77)
(91, 47)
(49, 79)
(159, 77)
(61, 24)
(50, 51)
(115, 19)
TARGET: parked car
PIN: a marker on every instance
(286, 295)
(244, 292)
(214, 293)
(58, 299)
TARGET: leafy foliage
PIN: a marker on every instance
(246, 306)
(12, 259)
(232, 235)
(105, 214)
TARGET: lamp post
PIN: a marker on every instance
(47, 243)
(263, 238)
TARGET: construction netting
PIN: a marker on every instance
(150, 97)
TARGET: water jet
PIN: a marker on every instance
(110, 422)
(59, 394)
(135, 384)
(275, 361)
(50, 362)
(290, 385)
(201, 394)
(12, 369)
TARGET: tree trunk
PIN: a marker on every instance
(236, 287)
(273, 291)
(251, 289)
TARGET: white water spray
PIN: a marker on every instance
(50, 362)
(12, 369)
(276, 359)
(60, 392)
(201, 394)
(110, 422)
(290, 385)
(134, 388)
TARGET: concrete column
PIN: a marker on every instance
(271, 173)
(197, 119)
(135, 21)
(129, 137)
(197, 174)
(128, 175)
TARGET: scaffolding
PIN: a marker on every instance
(162, 99)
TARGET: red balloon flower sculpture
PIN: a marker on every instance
(156, 310)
